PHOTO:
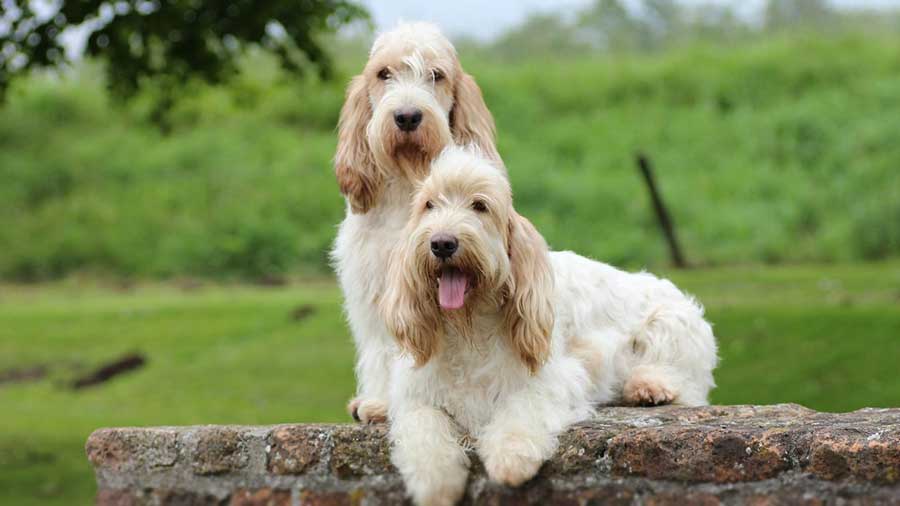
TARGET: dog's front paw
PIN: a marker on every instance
(433, 479)
(444, 492)
(367, 410)
(511, 461)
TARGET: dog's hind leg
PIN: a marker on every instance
(670, 358)
(651, 385)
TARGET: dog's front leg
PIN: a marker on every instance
(375, 350)
(514, 446)
(373, 363)
(427, 452)
(523, 432)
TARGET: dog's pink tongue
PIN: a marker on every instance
(452, 289)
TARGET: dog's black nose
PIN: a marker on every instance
(408, 120)
(443, 246)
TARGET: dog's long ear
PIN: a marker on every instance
(529, 308)
(354, 165)
(408, 304)
(470, 120)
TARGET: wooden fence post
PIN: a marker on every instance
(662, 214)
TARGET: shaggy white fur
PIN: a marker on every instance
(412, 70)
(511, 343)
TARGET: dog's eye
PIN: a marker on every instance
(479, 206)
(384, 74)
(429, 205)
(437, 75)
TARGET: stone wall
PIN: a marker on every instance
(757, 455)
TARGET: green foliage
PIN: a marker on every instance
(232, 191)
(782, 151)
(649, 26)
(170, 41)
(824, 337)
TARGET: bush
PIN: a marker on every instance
(778, 151)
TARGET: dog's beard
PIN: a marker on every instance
(409, 153)
(459, 287)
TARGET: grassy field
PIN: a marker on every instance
(779, 151)
(773, 153)
(824, 336)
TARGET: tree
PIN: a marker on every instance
(717, 23)
(608, 25)
(662, 23)
(787, 14)
(172, 41)
(653, 24)
(540, 34)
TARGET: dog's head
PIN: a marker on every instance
(411, 100)
(467, 252)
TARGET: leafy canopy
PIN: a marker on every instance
(170, 40)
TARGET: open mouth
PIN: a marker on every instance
(453, 285)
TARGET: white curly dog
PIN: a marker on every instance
(511, 343)
(411, 100)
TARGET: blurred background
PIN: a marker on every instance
(167, 198)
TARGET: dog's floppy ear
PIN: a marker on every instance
(529, 309)
(354, 165)
(470, 120)
(408, 304)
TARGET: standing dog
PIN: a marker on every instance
(512, 343)
(411, 100)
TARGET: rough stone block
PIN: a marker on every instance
(731, 455)
(294, 448)
(218, 450)
(361, 450)
(261, 497)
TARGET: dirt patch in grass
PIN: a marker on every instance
(303, 312)
(23, 374)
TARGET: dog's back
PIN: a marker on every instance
(655, 333)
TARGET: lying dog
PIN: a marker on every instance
(512, 343)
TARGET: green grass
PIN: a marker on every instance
(220, 355)
(826, 337)
(777, 151)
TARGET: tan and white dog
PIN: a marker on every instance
(411, 100)
(512, 343)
